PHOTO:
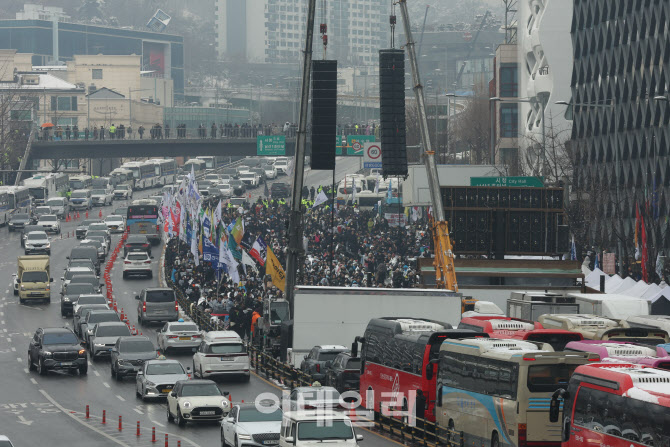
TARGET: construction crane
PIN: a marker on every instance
(472, 47)
(445, 274)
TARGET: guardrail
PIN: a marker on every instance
(396, 426)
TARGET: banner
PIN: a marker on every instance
(395, 219)
(276, 271)
(238, 230)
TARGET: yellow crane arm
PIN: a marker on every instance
(445, 273)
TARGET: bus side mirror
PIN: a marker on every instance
(555, 404)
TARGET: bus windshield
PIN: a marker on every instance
(557, 341)
(549, 378)
(38, 193)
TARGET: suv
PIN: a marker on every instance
(157, 304)
(28, 229)
(19, 220)
(137, 263)
(80, 199)
(319, 360)
(280, 190)
(308, 428)
(124, 192)
(344, 374)
(37, 242)
(129, 354)
(136, 242)
(221, 353)
(82, 228)
(101, 197)
(59, 206)
(50, 223)
(103, 337)
(56, 348)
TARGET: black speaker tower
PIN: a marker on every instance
(392, 112)
(324, 114)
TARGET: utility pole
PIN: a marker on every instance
(295, 249)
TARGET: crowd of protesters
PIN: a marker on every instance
(362, 251)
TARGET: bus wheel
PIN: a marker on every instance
(494, 440)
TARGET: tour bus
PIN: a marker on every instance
(614, 405)
(43, 186)
(214, 162)
(398, 356)
(497, 392)
(80, 182)
(624, 352)
(594, 327)
(142, 218)
(124, 176)
(5, 210)
(197, 165)
(165, 171)
(143, 173)
(650, 322)
(517, 329)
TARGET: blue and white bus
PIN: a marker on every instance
(144, 173)
(44, 186)
(165, 171)
(5, 210)
(214, 162)
(142, 218)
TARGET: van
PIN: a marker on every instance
(86, 252)
(157, 304)
(309, 428)
(33, 279)
(221, 353)
(80, 199)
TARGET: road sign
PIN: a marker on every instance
(529, 182)
(269, 145)
(355, 143)
(372, 155)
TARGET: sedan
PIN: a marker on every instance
(248, 425)
(91, 317)
(270, 172)
(72, 271)
(70, 294)
(179, 334)
(115, 223)
(129, 355)
(104, 337)
(82, 228)
(196, 400)
(136, 242)
(137, 263)
(157, 377)
(37, 242)
(88, 299)
(78, 317)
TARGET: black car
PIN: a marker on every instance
(19, 220)
(238, 187)
(280, 190)
(82, 228)
(136, 242)
(56, 348)
(129, 354)
(319, 359)
(71, 294)
(344, 373)
(261, 174)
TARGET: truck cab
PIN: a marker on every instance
(33, 279)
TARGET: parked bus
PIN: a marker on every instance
(124, 176)
(43, 186)
(516, 329)
(142, 218)
(165, 171)
(80, 182)
(614, 405)
(619, 351)
(497, 392)
(198, 166)
(594, 327)
(214, 162)
(18, 198)
(396, 358)
(143, 173)
(5, 210)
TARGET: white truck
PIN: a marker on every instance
(337, 315)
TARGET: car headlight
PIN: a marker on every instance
(150, 384)
(186, 404)
(46, 353)
(48, 245)
(99, 345)
(243, 437)
(66, 299)
(23, 287)
(82, 351)
(225, 403)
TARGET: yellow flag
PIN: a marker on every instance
(274, 268)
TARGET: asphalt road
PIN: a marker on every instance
(50, 410)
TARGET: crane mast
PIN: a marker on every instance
(445, 274)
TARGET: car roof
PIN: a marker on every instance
(163, 361)
(38, 232)
(56, 330)
(332, 347)
(154, 289)
(197, 381)
(112, 323)
(304, 389)
(135, 338)
(80, 269)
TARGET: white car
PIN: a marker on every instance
(221, 353)
(226, 190)
(281, 166)
(137, 263)
(248, 425)
(270, 171)
(101, 197)
(123, 192)
(196, 400)
(314, 398)
(115, 223)
(50, 223)
(250, 178)
(179, 334)
(37, 242)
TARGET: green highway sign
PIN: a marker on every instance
(269, 145)
(529, 182)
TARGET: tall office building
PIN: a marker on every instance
(273, 31)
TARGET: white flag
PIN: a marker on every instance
(320, 198)
(377, 185)
(353, 192)
(194, 244)
(248, 260)
(217, 217)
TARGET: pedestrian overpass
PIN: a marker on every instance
(173, 147)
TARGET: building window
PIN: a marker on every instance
(509, 84)
(509, 120)
(63, 103)
(97, 73)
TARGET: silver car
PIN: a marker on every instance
(247, 425)
(157, 377)
(179, 334)
(104, 337)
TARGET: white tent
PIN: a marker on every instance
(651, 292)
(625, 285)
(612, 283)
(593, 279)
(638, 289)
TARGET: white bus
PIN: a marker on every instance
(594, 327)
(80, 182)
(47, 185)
(497, 392)
(144, 173)
(123, 176)
(196, 164)
(166, 171)
(5, 210)
(214, 162)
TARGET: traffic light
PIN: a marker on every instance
(324, 113)
(392, 112)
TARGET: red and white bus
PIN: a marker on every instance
(398, 357)
(615, 405)
(516, 329)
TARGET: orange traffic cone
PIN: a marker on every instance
(100, 214)
(87, 214)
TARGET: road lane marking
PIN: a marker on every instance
(106, 384)
(33, 381)
(63, 410)
(137, 411)
(13, 349)
(120, 398)
(96, 373)
(19, 359)
(158, 423)
(26, 370)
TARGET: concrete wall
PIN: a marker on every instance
(119, 73)
(104, 112)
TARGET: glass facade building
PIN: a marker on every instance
(161, 53)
